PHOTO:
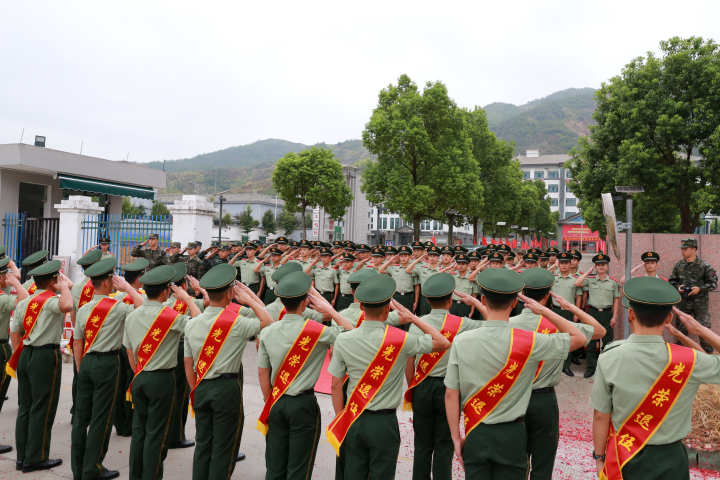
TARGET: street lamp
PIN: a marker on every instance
(629, 191)
(221, 199)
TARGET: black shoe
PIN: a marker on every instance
(182, 444)
(568, 372)
(5, 448)
(589, 373)
(123, 434)
(108, 474)
(240, 457)
(576, 360)
(18, 465)
(46, 465)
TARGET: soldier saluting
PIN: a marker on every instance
(153, 253)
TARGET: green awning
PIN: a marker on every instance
(71, 182)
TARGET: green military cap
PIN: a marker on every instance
(180, 269)
(284, 270)
(474, 255)
(294, 244)
(500, 280)
(136, 265)
(576, 254)
(158, 275)
(688, 243)
(434, 250)
(325, 252)
(293, 285)
(536, 251)
(363, 247)
(350, 247)
(101, 268)
(48, 268)
(600, 258)
(4, 264)
(305, 244)
(377, 252)
(218, 277)
(537, 278)
(510, 254)
(105, 239)
(544, 256)
(647, 256)
(459, 249)
(553, 251)
(153, 236)
(496, 257)
(418, 245)
(275, 251)
(462, 258)
(224, 246)
(2, 250)
(348, 257)
(250, 245)
(650, 291)
(361, 275)
(390, 250)
(379, 291)
(438, 285)
(281, 240)
(428, 245)
(503, 248)
(563, 257)
(175, 245)
(404, 250)
(447, 250)
(530, 257)
(35, 257)
(89, 258)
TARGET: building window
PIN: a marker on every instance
(539, 173)
(384, 223)
(526, 174)
(571, 202)
(553, 202)
(552, 187)
(553, 174)
(568, 174)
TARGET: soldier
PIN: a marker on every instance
(176, 432)
(153, 253)
(564, 286)
(276, 309)
(407, 290)
(97, 347)
(246, 269)
(644, 389)
(30, 262)
(649, 262)
(291, 416)
(325, 277)
(695, 279)
(105, 246)
(575, 257)
(463, 284)
(422, 268)
(265, 269)
(345, 297)
(425, 375)
(374, 356)
(491, 370)
(543, 260)
(446, 256)
(8, 302)
(35, 332)
(194, 263)
(542, 417)
(603, 304)
(216, 393)
(496, 260)
(151, 337)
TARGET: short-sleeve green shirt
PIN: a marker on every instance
(325, 278)
(7, 304)
(405, 282)
(601, 292)
(49, 325)
(76, 291)
(342, 280)
(565, 287)
(247, 273)
(423, 272)
(628, 369)
(275, 307)
(138, 323)
(353, 312)
(110, 335)
(266, 271)
(464, 285)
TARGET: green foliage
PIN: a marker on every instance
(129, 209)
(246, 221)
(312, 178)
(287, 222)
(651, 122)
(268, 222)
(159, 209)
(227, 220)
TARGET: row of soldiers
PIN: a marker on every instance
(502, 378)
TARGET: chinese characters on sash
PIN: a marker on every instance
(32, 312)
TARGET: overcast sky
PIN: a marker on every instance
(164, 80)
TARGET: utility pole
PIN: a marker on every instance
(627, 227)
(221, 199)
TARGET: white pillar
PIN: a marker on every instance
(72, 211)
(192, 220)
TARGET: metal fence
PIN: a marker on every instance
(124, 232)
(23, 236)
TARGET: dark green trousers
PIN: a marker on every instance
(153, 395)
(371, 447)
(405, 299)
(39, 373)
(659, 462)
(476, 314)
(292, 438)
(269, 296)
(182, 397)
(594, 348)
(496, 452)
(254, 287)
(340, 459)
(73, 389)
(123, 418)
(343, 301)
(460, 309)
(98, 383)
(568, 316)
(328, 296)
(697, 307)
(423, 307)
(218, 409)
(542, 426)
(5, 354)
(433, 444)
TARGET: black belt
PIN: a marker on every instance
(3, 340)
(327, 291)
(227, 376)
(603, 309)
(309, 391)
(159, 370)
(386, 411)
(49, 346)
(404, 293)
(544, 390)
(111, 352)
(251, 284)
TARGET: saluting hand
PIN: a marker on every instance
(405, 316)
(562, 302)
(533, 305)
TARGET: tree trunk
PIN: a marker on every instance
(475, 230)
(416, 228)
(450, 230)
(302, 222)
(688, 224)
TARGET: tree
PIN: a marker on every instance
(312, 178)
(656, 125)
(129, 209)
(159, 209)
(268, 222)
(287, 221)
(246, 221)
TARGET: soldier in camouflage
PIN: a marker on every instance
(195, 264)
(694, 279)
(153, 253)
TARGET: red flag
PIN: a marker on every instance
(474, 240)
(484, 240)
(514, 245)
(434, 240)
(567, 244)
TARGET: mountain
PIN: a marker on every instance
(551, 124)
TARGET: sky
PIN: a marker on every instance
(154, 80)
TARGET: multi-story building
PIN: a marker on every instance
(388, 228)
(551, 170)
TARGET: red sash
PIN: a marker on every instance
(95, 321)
(545, 326)
(291, 365)
(32, 288)
(450, 328)
(32, 312)
(282, 313)
(361, 319)
(484, 401)
(650, 413)
(87, 294)
(368, 386)
(151, 342)
(214, 342)
(180, 306)
(127, 299)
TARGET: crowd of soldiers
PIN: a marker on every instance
(482, 334)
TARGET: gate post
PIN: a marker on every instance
(72, 211)
(192, 220)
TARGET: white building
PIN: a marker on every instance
(388, 228)
(551, 169)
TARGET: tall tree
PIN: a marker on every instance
(246, 221)
(287, 222)
(656, 125)
(129, 209)
(159, 209)
(312, 178)
(268, 222)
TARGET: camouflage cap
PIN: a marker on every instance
(688, 243)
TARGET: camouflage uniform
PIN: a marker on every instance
(195, 267)
(695, 274)
(155, 257)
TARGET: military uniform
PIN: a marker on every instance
(564, 286)
(98, 379)
(7, 305)
(694, 274)
(155, 257)
(422, 272)
(602, 293)
(247, 274)
(464, 285)
(266, 271)
(345, 295)
(325, 278)
(153, 389)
